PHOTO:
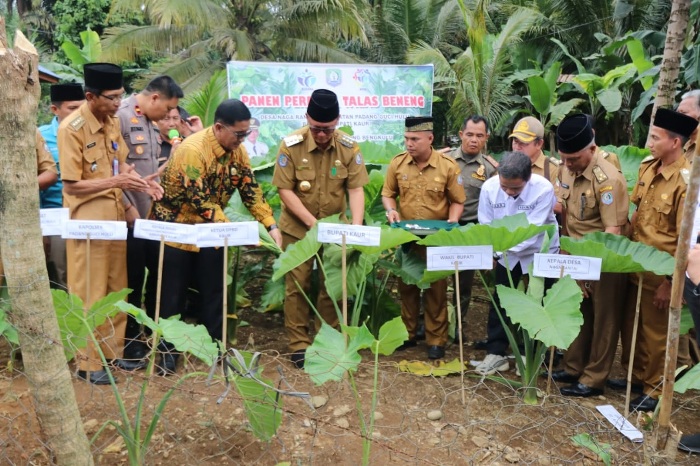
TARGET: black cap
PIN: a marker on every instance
(574, 133)
(421, 123)
(103, 76)
(67, 92)
(323, 106)
(676, 122)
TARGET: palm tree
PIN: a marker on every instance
(198, 37)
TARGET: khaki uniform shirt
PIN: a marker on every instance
(143, 140)
(547, 167)
(44, 159)
(475, 170)
(87, 150)
(610, 157)
(199, 180)
(659, 199)
(426, 194)
(320, 178)
(689, 150)
(594, 200)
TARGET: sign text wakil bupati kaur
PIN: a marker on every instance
(578, 267)
(358, 235)
(466, 257)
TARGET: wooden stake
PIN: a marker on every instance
(159, 286)
(634, 344)
(344, 275)
(86, 304)
(459, 330)
(224, 335)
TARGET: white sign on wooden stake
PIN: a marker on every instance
(578, 267)
(359, 235)
(238, 233)
(169, 231)
(52, 221)
(97, 229)
(467, 257)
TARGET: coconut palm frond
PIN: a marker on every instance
(204, 102)
(190, 72)
(201, 13)
(422, 53)
(347, 16)
(306, 50)
(126, 43)
(234, 43)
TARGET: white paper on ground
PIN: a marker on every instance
(620, 423)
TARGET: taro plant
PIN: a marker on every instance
(7, 330)
(262, 407)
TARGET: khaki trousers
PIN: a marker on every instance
(592, 353)
(296, 308)
(107, 272)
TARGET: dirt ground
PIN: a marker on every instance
(492, 426)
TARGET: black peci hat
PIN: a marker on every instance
(103, 76)
(323, 106)
(676, 122)
(421, 123)
(574, 133)
(67, 92)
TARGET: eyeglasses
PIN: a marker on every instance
(238, 134)
(319, 130)
(114, 98)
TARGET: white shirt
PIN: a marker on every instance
(259, 149)
(536, 201)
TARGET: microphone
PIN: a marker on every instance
(174, 135)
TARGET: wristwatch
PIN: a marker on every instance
(272, 227)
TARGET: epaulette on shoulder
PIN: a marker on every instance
(491, 160)
(446, 155)
(605, 154)
(599, 174)
(346, 140)
(554, 161)
(685, 174)
(77, 123)
(647, 159)
(293, 139)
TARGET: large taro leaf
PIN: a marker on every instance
(557, 323)
(690, 381)
(410, 269)
(329, 357)
(76, 325)
(296, 254)
(358, 268)
(391, 335)
(619, 254)
(187, 338)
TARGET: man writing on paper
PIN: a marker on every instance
(92, 154)
(199, 179)
(593, 193)
(316, 167)
(429, 186)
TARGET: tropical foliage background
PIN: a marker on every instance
(499, 58)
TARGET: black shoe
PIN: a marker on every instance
(480, 344)
(96, 377)
(621, 384)
(562, 376)
(407, 344)
(436, 352)
(420, 332)
(135, 349)
(130, 365)
(168, 359)
(690, 443)
(643, 403)
(298, 358)
(579, 389)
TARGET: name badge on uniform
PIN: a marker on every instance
(91, 145)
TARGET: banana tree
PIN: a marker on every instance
(90, 52)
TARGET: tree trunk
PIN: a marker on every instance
(23, 257)
(671, 62)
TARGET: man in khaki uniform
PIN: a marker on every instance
(92, 155)
(430, 187)
(316, 166)
(594, 197)
(137, 116)
(659, 196)
(475, 167)
(690, 105)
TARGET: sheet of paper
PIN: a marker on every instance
(467, 257)
(578, 267)
(98, 230)
(175, 232)
(620, 423)
(52, 221)
(237, 233)
(354, 234)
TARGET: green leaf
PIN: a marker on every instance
(358, 268)
(557, 323)
(7, 329)
(619, 254)
(551, 76)
(600, 449)
(273, 295)
(610, 99)
(360, 337)
(560, 110)
(635, 49)
(74, 54)
(296, 254)
(540, 95)
(391, 335)
(329, 357)
(687, 322)
(262, 406)
(92, 48)
(690, 381)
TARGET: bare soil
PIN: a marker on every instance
(492, 426)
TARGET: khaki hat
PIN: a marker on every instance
(528, 129)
